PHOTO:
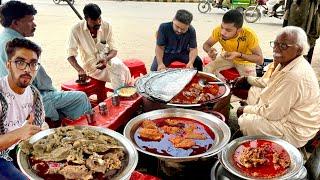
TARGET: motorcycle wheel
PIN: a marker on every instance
(204, 6)
(251, 14)
(56, 1)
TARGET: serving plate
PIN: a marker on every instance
(226, 157)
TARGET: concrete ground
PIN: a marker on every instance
(134, 26)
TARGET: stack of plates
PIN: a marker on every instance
(163, 86)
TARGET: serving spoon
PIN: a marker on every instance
(203, 82)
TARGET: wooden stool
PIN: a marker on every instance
(136, 67)
(177, 64)
(94, 86)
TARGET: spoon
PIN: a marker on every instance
(203, 82)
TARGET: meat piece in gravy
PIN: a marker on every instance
(149, 124)
(180, 142)
(151, 134)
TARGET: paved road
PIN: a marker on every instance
(134, 25)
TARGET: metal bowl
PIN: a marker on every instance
(219, 128)
(226, 156)
(129, 149)
(143, 81)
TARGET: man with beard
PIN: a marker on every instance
(17, 18)
(177, 41)
(94, 39)
(240, 46)
(288, 107)
(21, 108)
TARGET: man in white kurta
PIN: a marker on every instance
(94, 40)
(288, 107)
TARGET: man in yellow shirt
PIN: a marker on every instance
(240, 46)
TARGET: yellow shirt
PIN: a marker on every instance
(245, 42)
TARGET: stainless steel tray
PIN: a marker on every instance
(220, 129)
(129, 148)
(226, 156)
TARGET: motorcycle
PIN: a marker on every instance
(205, 6)
(58, 1)
(253, 13)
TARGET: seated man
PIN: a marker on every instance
(177, 40)
(93, 37)
(288, 107)
(22, 112)
(240, 45)
(57, 104)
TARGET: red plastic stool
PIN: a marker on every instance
(177, 64)
(94, 86)
(206, 60)
(230, 74)
(136, 67)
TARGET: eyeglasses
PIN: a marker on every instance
(34, 66)
(282, 46)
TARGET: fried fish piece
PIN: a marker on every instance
(195, 135)
(151, 134)
(180, 142)
(171, 129)
(149, 124)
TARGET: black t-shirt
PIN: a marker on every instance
(173, 42)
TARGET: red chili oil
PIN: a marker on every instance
(267, 170)
(165, 146)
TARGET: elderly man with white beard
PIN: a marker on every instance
(288, 107)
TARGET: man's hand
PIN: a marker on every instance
(161, 67)
(101, 64)
(28, 129)
(189, 65)
(240, 111)
(240, 81)
(212, 53)
(231, 55)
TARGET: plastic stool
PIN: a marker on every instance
(206, 60)
(94, 86)
(136, 67)
(230, 74)
(177, 64)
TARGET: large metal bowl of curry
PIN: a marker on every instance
(141, 84)
(215, 125)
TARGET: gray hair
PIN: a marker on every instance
(301, 37)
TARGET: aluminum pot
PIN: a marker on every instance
(218, 127)
(128, 146)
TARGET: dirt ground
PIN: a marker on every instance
(134, 26)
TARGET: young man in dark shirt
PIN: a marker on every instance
(176, 41)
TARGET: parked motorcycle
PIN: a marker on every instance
(253, 13)
(205, 6)
(58, 1)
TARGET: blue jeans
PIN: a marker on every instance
(9, 172)
(183, 57)
(70, 104)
